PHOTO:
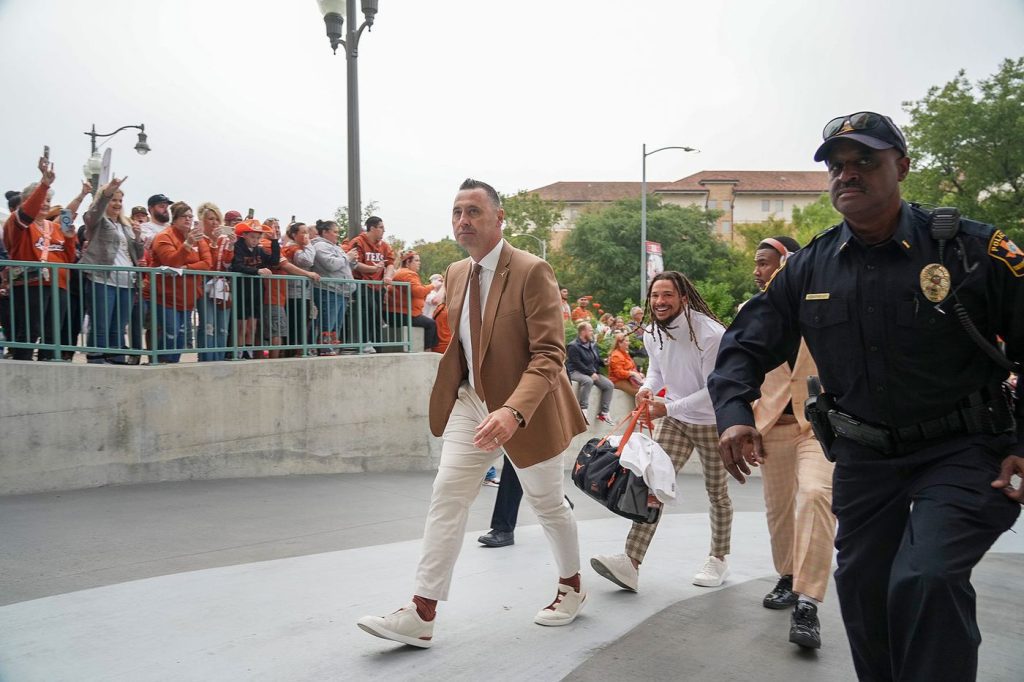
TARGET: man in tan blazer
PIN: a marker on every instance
(797, 478)
(501, 384)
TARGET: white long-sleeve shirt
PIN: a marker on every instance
(683, 370)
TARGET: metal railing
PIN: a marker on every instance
(120, 314)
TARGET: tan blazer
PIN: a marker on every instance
(522, 361)
(780, 385)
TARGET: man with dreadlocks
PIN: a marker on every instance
(682, 342)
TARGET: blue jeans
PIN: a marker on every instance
(109, 313)
(213, 329)
(331, 315)
(171, 334)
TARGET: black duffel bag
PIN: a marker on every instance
(599, 475)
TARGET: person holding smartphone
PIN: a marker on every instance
(112, 240)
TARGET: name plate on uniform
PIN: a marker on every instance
(816, 297)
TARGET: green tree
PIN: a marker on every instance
(435, 257)
(341, 215)
(601, 256)
(814, 218)
(755, 233)
(527, 213)
(967, 146)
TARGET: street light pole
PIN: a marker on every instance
(643, 215)
(543, 244)
(93, 165)
(333, 11)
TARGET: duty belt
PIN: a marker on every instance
(981, 414)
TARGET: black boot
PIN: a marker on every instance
(804, 628)
(783, 596)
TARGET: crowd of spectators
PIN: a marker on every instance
(296, 288)
(604, 352)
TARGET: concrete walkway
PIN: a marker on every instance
(263, 579)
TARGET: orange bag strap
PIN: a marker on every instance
(641, 415)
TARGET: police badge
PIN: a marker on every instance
(935, 282)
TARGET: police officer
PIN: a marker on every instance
(925, 443)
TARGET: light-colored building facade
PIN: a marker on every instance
(741, 196)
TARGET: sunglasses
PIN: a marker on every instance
(862, 120)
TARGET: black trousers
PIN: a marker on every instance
(32, 319)
(910, 531)
(506, 503)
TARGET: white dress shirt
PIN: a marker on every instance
(488, 266)
(683, 370)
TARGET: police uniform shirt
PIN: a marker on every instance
(889, 354)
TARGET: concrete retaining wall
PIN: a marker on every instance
(67, 426)
(79, 426)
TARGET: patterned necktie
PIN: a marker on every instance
(474, 326)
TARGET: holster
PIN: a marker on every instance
(816, 410)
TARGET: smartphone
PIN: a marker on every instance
(251, 214)
(46, 152)
(292, 221)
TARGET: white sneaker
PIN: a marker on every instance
(567, 605)
(618, 568)
(712, 574)
(368, 349)
(404, 625)
(491, 483)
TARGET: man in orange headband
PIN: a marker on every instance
(797, 477)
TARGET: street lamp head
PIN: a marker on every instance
(142, 146)
(334, 19)
(93, 166)
(369, 11)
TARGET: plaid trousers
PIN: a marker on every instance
(798, 505)
(678, 439)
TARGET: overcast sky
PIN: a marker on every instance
(245, 105)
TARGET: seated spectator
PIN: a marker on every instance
(250, 260)
(299, 252)
(111, 239)
(330, 294)
(214, 306)
(622, 371)
(399, 299)
(604, 326)
(444, 330)
(182, 247)
(430, 302)
(29, 236)
(584, 362)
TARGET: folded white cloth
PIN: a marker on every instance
(645, 458)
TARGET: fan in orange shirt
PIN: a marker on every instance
(417, 291)
(622, 371)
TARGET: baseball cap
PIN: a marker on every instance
(866, 127)
(232, 215)
(136, 210)
(158, 199)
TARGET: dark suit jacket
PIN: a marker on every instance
(522, 356)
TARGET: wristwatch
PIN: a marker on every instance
(515, 413)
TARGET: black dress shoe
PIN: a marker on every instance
(497, 538)
(804, 628)
(783, 596)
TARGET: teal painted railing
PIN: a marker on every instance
(111, 312)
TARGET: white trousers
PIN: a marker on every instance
(459, 475)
